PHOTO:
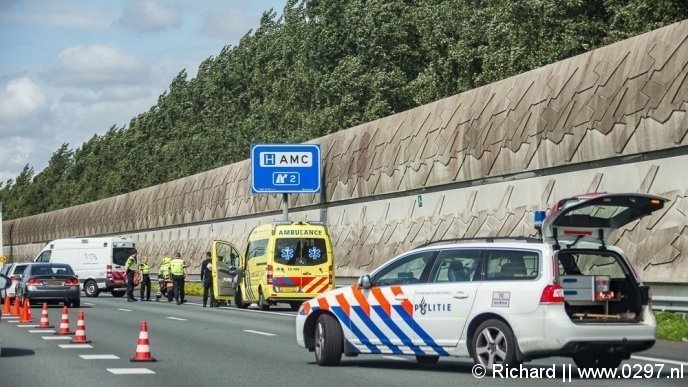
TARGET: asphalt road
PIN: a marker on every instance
(197, 346)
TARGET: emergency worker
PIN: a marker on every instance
(207, 279)
(130, 265)
(144, 269)
(178, 270)
(163, 280)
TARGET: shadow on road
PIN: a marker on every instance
(16, 352)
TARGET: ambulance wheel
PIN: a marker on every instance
(493, 343)
(239, 301)
(427, 359)
(117, 293)
(262, 304)
(91, 288)
(329, 341)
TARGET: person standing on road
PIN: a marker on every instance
(207, 279)
(130, 266)
(164, 280)
(144, 269)
(178, 269)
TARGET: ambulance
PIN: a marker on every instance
(98, 262)
(287, 262)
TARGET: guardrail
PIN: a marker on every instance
(670, 304)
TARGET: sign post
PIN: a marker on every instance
(285, 169)
(2, 256)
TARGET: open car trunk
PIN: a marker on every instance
(599, 286)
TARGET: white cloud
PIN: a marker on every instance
(149, 16)
(67, 14)
(231, 24)
(21, 101)
(96, 65)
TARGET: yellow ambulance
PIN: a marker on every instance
(284, 262)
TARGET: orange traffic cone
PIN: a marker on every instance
(80, 335)
(6, 309)
(143, 352)
(26, 313)
(44, 317)
(64, 323)
(17, 310)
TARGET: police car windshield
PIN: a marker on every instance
(300, 251)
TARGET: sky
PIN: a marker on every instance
(70, 69)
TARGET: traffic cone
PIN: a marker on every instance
(143, 352)
(26, 313)
(6, 309)
(80, 335)
(17, 310)
(44, 317)
(64, 323)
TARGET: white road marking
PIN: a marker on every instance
(56, 338)
(27, 326)
(41, 331)
(259, 332)
(657, 360)
(87, 303)
(397, 358)
(99, 357)
(70, 346)
(130, 371)
(9, 317)
(177, 318)
(12, 321)
(125, 310)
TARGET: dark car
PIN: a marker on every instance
(4, 284)
(50, 282)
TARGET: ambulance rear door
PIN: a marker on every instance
(225, 261)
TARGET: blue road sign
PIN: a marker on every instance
(283, 168)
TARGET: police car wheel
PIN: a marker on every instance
(493, 343)
(328, 341)
(427, 359)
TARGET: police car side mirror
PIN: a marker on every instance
(4, 282)
(364, 281)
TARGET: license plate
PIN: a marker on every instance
(54, 283)
(288, 289)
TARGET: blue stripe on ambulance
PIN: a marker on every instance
(346, 321)
(419, 331)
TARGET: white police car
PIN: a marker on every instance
(569, 294)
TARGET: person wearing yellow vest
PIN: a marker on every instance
(130, 265)
(163, 280)
(144, 269)
(178, 270)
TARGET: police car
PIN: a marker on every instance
(499, 302)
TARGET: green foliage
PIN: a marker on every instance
(672, 326)
(321, 67)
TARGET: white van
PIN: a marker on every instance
(99, 262)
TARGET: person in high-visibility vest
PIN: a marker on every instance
(144, 269)
(131, 265)
(178, 270)
(163, 280)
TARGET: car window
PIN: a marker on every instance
(256, 248)
(120, 255)
(45, 256)
(300, 251)
(591, 263)
(512, 265)
(456, 265)
(19, 269)
(411, 269)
